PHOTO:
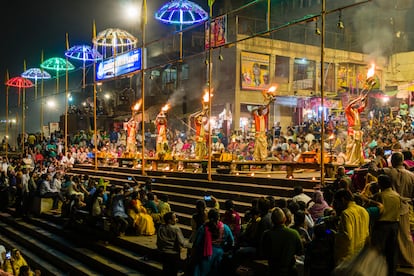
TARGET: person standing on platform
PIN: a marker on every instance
(162, 142)
(260, 117)
(131, 142)
(200, 135)
(353, 110)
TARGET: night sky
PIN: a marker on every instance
(28, 27)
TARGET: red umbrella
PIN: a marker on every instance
(20, 83)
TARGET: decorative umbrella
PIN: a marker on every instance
(181, 12)
(114, 38)
(57, 64)
(84, 53)
(19, 82)
(36, 74)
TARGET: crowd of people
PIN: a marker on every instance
(12, 263)
(337, 221)
(343, 222)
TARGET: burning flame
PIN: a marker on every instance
(165, 107)
(272, 89)
(205, 96)
(371, 71)
(137, 105)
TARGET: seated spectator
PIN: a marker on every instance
(163, 206)
(170, 240)
(280, 245)
(213, 239)
(319, 205)
(46, 191)
(151, 204)
(14, 263)
(232, 218)
(300, 226)
(97, 206)
(119, 214)
(142, 222)
(2, 255)
(198, 218)
(299, 195)
(319, 255)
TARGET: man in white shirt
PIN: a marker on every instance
(218, 146)
(299, 195)
(67, 160)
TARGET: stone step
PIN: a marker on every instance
(81, 256)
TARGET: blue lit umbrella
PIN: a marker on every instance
(84, 53)
(36, 74)
(181, 12)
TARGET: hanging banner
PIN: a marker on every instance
(254, 71)
(120, 65)
(218, 32)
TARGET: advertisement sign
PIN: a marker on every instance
(254, 71)
(218, 31)
(53, 126)
(120, 65)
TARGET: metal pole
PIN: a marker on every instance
(66, 108)
(144, 18)
(323, 15)
(268, 14)
(41, 101)
(95, 134)
(94, 104)
(210, 79)
(23, 117)
(7, 121)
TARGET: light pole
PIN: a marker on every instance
(143, 25)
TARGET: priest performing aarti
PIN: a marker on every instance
(131, 127)
(201, 129)
(354, 154)
(260, 116)
(161, 123)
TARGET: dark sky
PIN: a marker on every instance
(28, 27)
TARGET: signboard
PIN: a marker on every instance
(254, 71)
(218, 32)
(120, 65)
(46, 132)
(53, 126)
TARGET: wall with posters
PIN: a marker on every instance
(254, 71)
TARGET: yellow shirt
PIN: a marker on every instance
(353, 230)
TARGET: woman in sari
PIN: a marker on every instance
(211, 242)
(141, 221)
